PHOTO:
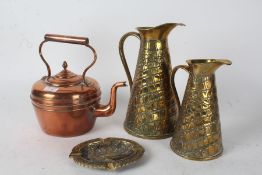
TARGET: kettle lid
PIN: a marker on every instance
(64, 78)
(65, 91)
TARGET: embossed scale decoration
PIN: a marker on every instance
(110, 153)
(197, 133)
(151, 110)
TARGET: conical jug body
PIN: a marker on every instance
(151, 110)
(197, 133)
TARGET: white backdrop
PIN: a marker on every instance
(215, 29)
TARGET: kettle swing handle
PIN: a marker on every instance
(122, 54)
(175, 69)
(70, 40)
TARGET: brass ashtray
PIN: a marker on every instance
(109, 153)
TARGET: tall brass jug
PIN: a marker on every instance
(197, 133)
(151, 110)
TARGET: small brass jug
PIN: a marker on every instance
(197, 133)
(151, 110)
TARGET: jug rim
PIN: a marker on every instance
(209, 60)
(153, 27)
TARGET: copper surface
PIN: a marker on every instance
(109, 109)
(67, 104)
(67, 39)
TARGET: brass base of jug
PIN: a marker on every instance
(196, 158)
(133, 133)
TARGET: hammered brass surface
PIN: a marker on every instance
(151, 110)
(197, 133)
(110, 153)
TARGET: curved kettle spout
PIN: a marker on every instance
(109, 109)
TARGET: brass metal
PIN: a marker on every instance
(151, 110)
(110, 153)
(67, 104)
(197, 133)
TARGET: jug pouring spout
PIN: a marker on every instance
(158, 32)
(207, 66)
(223, 61)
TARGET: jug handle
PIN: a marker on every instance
(175, 69)
(70, 40)
(122, 55)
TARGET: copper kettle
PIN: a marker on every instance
(67, 104)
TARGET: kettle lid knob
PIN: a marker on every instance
(65, 65)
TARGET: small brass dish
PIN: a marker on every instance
(109, 153)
